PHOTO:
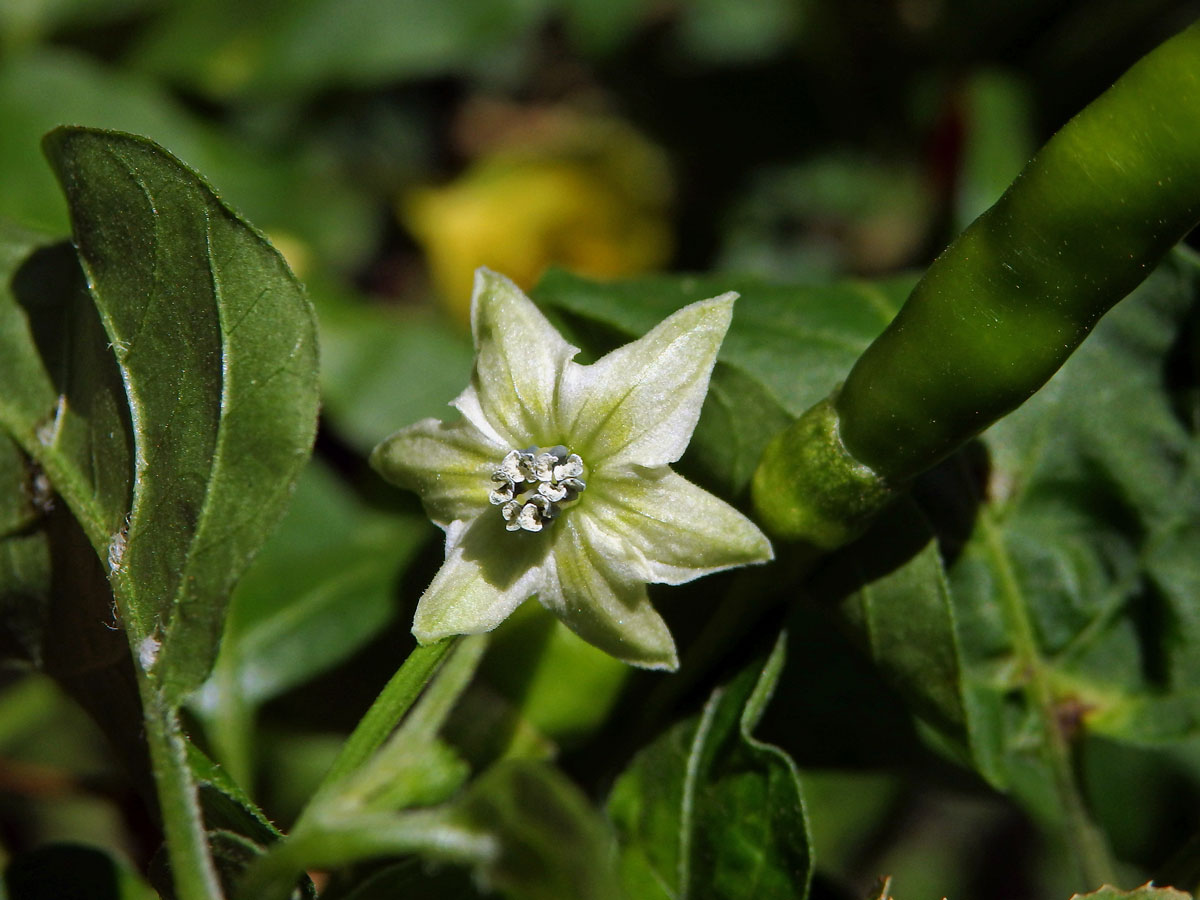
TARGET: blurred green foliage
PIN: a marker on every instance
(818, 143)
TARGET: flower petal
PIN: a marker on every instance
(639, 404)
(487, 574)
(674, 530)
(519, 359)
(602, 605)
(450, 466)
(467, 403)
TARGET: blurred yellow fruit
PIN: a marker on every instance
(294, 250)
(591, 196)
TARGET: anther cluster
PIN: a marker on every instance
(535, 485)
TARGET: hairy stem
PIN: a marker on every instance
(192, 870)
(396, 698)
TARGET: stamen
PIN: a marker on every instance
(514, 467)
(572, 468)
(504, 492)
(552, 492)
(533, 486)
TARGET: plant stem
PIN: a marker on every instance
(192, 869)
(397, 696)
(273, 874)
(1087, 841)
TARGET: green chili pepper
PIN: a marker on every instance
(1004, 305)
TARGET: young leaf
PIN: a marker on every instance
(525, 829)
(708, 811)
(238, 831)
(217, 350)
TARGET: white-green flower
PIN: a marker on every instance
(555, 481)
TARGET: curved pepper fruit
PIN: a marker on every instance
(1001, 309)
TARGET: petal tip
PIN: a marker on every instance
(721, 305)
(765, 551)
(485, 278)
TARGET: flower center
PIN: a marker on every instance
(533, 486)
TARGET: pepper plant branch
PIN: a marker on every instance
(193, 872)
(397, 696)
(1087, 841)
(1004, 305)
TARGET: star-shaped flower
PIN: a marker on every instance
(556, 481)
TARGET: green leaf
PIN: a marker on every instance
(708, 811)
(217, 349)
(786, 348)
(550, 842)
(226, 806)
(29, 394)
(890, 587)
